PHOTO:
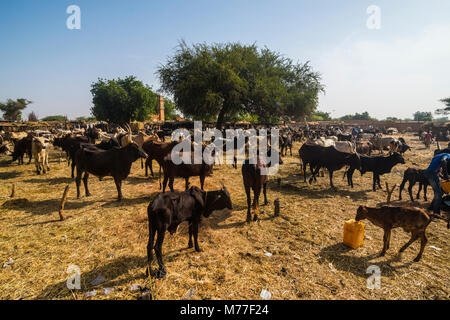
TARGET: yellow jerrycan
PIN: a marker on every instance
(353, 233)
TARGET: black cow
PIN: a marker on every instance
(170, 209)
(413, 176)
(22, 147)
(379, 165)
(184, 170)
(104, 145)
(326, 157)
(115, 162)
(285, 143)
(253, 179)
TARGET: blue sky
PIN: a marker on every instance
(394, 71)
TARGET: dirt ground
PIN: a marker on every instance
(308, 260)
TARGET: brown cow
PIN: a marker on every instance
(411, 219)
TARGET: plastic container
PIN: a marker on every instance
(445, 185)
(353, 233)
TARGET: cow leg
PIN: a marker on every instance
(195, 232)
(158, 252)
(78, 181)
(425, 185)
(304, 171)
(146, 167)
(330, 172)
(150, 163)
(265, 194)
(73, 168)
(414, 236)
(374, 187)
(36, 163)
(386, 239)
(290, 148)
(256, 193)
(247, 192)
(164, 183)
(190, 244)
(151, 241)
(378, 181)
(118, 183)
(402, 185)
(171, 180)
(423, 242)
(85, 181)
(202, 181)
(187, 184)
(142, 163)
(410, 191)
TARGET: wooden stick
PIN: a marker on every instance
(63, 202)
(277, 207)
(13, 190)
(389, 192)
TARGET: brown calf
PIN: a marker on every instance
(411, 219)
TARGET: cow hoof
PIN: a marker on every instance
(198, 250)
(255, 218)
(417, 259)
(160, 273)
(266, 203)
(190, 245)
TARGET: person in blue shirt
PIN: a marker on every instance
(438, 164)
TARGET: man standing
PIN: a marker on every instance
(439, 163)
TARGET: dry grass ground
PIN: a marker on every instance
(308, 260)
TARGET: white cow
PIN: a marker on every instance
(39, 148)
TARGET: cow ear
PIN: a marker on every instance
(198, 196)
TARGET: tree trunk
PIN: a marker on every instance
(219, 122)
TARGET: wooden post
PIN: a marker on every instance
(13, 190)
(389, 192)
(63, 202)
(277, 207)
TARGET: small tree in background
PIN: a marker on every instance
(32, 117)
(12, 109)
(55, 118)
(121, 101)
(423, 116)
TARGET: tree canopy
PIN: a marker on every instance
(423, 116)
(357, 116)
(229, 81)
(32, 117)
(55, 118)
(121, 101)
(12, 109)
(446, 110)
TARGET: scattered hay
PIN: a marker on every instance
(308, 260)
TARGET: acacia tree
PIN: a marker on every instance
(121, 101)
(12, 110)
(446, 110)
(228, 81)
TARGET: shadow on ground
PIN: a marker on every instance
(342, 259)
(110, 271)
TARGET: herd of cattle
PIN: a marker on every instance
(92, 151)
